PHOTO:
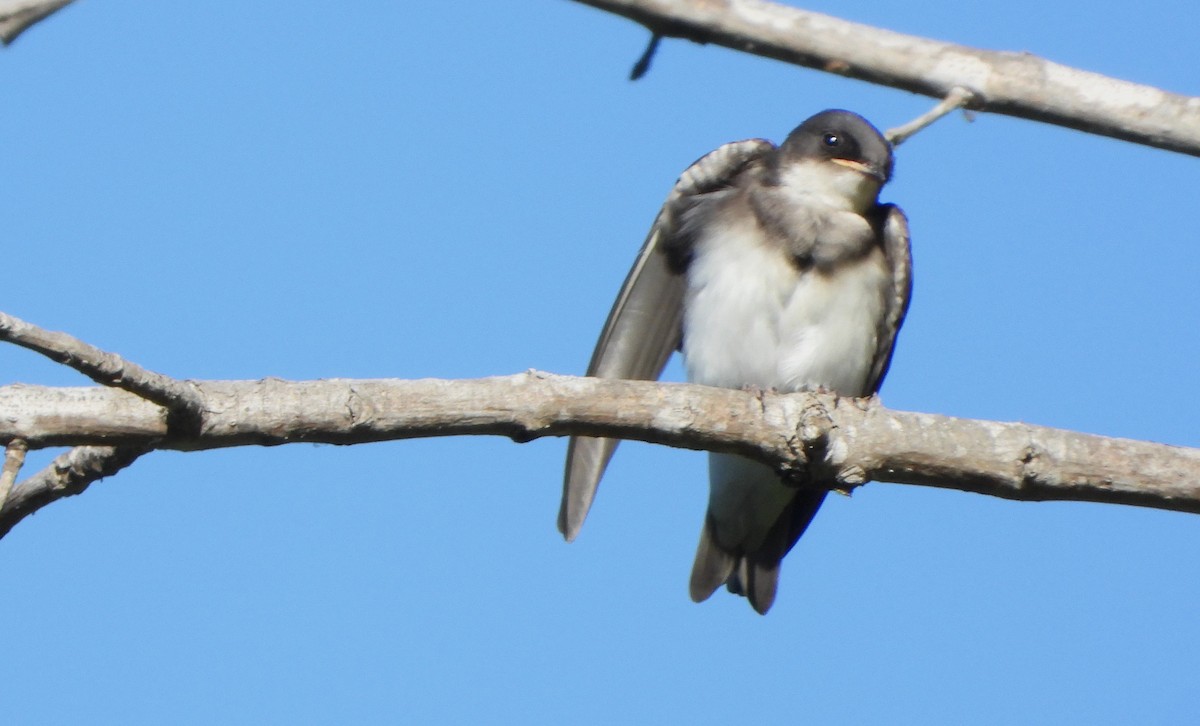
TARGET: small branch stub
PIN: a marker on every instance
(642, 66)
(14, 459)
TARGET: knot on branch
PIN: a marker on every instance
(807, 447)
(1031, 476)
(818, 453)
(815, 421)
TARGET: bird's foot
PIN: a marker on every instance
(758, 390)
(865, 402)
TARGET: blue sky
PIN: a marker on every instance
(240, 190)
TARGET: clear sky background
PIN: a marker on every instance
(368, 189)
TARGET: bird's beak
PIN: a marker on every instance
(861, 168)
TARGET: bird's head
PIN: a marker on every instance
(839, 150)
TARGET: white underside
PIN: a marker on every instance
(753, 319)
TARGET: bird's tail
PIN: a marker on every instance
(754, 575)
(754, 578)
(714, 564)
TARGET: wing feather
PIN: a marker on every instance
(644, 325)
(897, 249)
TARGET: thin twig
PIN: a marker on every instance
(957, 98)
(109, 369)
(14, 459)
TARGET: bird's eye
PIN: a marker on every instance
(832, 140)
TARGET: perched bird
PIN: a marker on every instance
(770, 268)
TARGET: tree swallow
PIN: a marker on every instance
(769, 268)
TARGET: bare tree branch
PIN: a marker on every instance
(17, 15)
(67, 475)
(850, 441)
(1016, 84)
(108, 369)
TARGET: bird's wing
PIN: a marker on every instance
(899, 256)
(644, 326)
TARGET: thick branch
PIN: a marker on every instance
(1016, 84)
(851, 441)
(17, 15)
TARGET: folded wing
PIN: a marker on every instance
(644, 326)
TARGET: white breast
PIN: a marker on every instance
(752, 318)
